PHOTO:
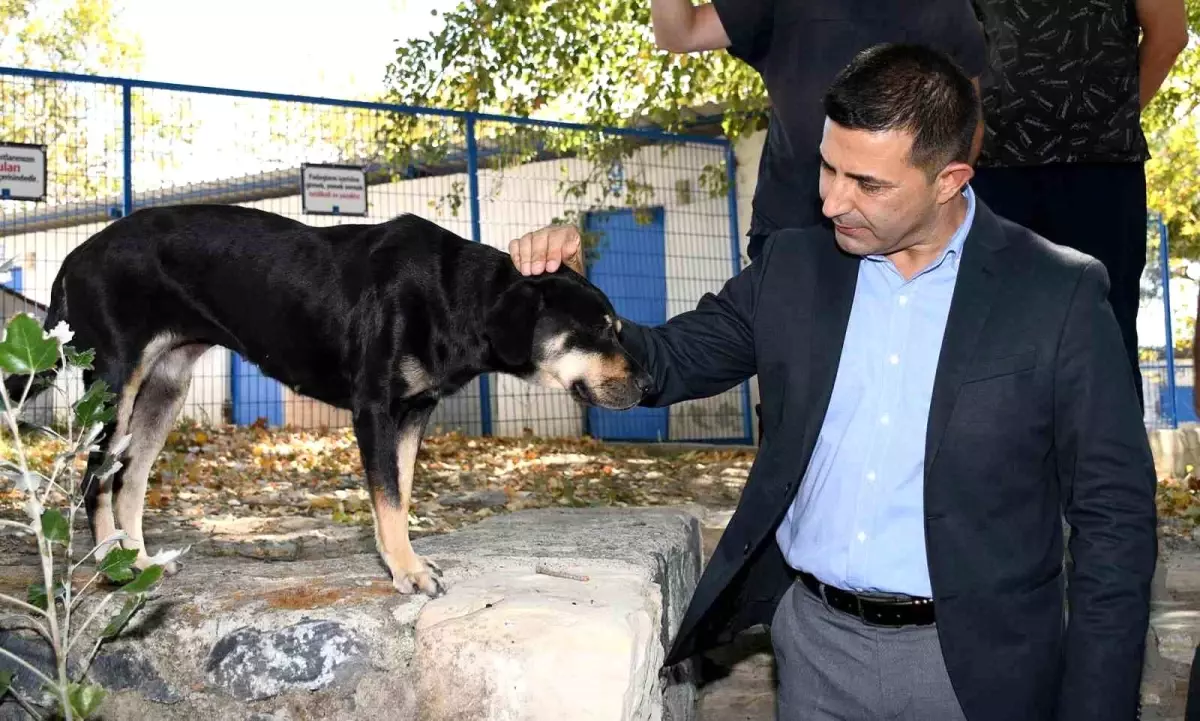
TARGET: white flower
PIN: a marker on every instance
(62, 332)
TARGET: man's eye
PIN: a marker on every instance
(870, 188)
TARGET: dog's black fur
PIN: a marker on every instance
(382, 320)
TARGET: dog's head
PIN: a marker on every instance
(559, 330)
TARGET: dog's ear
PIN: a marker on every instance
(511, 322)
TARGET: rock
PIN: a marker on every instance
(481, 650)
(251, 665)
(329, 637)
(127, 670)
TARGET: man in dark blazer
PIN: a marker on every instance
(940, 388)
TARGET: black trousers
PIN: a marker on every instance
(1096, 208)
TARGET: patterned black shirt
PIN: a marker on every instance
(1061, 83)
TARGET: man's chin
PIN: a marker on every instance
(852, 244)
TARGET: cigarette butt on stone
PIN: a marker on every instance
(547, 571)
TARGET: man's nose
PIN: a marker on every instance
(835, 203)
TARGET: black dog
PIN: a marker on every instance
(382, 320)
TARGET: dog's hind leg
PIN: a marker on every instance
(97, 493)
(161, 395)
(389, 443)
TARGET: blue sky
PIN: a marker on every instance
(295, 46)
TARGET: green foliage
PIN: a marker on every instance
(27, 349)
(54, 526)
(95, 405)
(118, 564)
(24, 350)
(593, 63)
(70, 35)
(83, 36)
(85, 699)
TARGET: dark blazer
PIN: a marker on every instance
(1034, 414)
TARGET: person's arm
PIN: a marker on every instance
(742, 26)
(681, 27)
(1108, 483)
(696, 354)
(1164, 37)
(702, 352)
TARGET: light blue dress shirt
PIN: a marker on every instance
(858, 520)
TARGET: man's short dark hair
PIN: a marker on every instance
(910, 88)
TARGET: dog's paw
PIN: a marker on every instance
(170, 568)
(426, 578)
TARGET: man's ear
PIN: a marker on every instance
(510, 324)
(951, 181)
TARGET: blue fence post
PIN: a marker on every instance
(127, 150)
(735, 250)
(1165, 267)
(485, 386)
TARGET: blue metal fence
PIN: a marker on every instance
(1167, 384)
(115, 144)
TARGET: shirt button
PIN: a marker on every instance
(861, 536)
(903, 300)
(893, 359)
(871, 476)
(885, 419)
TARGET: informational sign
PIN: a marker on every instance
(22, 171)
(333, 189)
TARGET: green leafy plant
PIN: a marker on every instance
(53, 608)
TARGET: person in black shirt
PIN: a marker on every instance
(1063, 151)
(798, 48)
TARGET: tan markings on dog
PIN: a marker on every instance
(409, 572)
(559, 367)
(104, 522)
(161, 396)
(614, 368)
(416, 378)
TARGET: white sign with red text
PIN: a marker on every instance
(22, 171)
(333, 189)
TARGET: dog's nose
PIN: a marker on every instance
(643, 382)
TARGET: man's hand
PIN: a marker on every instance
(546, 249)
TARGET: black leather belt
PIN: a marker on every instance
(905, 611)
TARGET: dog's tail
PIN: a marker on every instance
(14, 385)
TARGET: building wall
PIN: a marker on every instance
(512, 202)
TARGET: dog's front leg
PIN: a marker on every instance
(389, 443)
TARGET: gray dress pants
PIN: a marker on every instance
(831, 665)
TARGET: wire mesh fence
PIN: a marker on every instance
(658, 213)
